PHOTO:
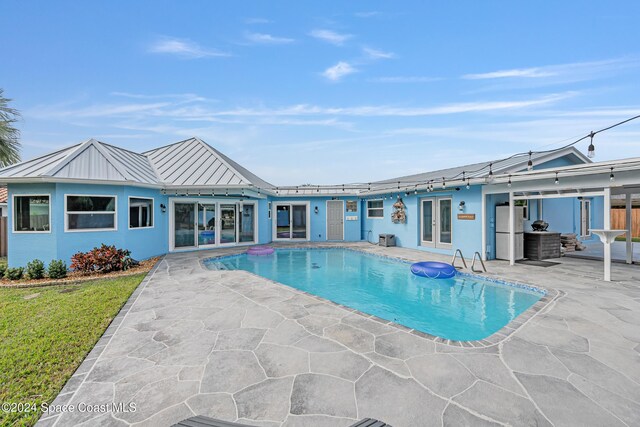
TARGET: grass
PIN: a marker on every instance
(623, 239)
(44, 339)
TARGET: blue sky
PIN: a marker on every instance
(326, 92)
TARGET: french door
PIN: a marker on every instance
(436, 222)
(204, 224)
(291, 221)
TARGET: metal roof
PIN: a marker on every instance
(479, 170)
(194, 163)
(188, 163)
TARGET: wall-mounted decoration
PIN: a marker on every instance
(352, 206)
(399, 216)
(467, 217)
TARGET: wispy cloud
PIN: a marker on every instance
(330, 36)
(183, 48)
(338, 71)
(369, 14)
(377, 54)
(262, 38)
(561, 73)
(180, 96)
(252, 21)
(404, 79)
(522, 72)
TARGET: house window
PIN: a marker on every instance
(90, 213)
(31, 214)
(140, 212)
(375, 209)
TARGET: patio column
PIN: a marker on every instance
(607, 226)
(629, 229)
(483, 219)
(512, 230)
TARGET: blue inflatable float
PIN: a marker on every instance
(433, 270)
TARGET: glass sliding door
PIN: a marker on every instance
(246, 224)
(227, 224)
(291, 221)
(206, 224)
(184, 225)
(299, 222)
(283, 221)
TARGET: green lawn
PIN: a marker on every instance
(44, 339)
(622, 239)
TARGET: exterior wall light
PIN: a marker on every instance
(461, 206)
(315, 210)
(163, 207)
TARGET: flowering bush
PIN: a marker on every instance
(104, 259)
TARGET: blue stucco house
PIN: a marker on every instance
(189, 196)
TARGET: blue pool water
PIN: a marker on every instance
(461, 308)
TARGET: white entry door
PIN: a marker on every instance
(335, 220)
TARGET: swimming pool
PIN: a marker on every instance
(462, 308)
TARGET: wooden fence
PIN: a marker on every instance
(619, 220)
(3, 236)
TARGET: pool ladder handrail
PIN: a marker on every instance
(455, 255)
(478, 257)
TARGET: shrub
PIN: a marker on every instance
(3, 269)
(104, 259)
(35, 269)
(15, 273)
(57, 269)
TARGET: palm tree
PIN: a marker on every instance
(9, 143)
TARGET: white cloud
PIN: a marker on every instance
(377, 54)
(404, 79)
(183, 48)
(262, 38)
(522, 72)
(366, 14)
(330, 36)
(338, 71)
(576, 71)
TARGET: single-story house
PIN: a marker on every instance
(189, 196)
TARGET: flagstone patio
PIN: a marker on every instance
(231, 345)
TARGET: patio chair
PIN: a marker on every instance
(201, 421)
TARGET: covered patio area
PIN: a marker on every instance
(592, 181)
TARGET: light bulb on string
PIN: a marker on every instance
(591, 152)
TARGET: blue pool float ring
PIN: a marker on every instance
(260, 250)
(433, 270)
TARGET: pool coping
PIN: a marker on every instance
(549, 295)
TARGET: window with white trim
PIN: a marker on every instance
(375, 209)
(31, 214)
(90, 212)
(140, 212)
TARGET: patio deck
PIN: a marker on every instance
(230, 345)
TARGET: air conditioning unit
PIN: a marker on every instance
(387, 240)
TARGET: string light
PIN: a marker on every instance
(530, 162)
(591, 152)
(557, 181)
(444, 185)
(509, 183)
(490, 172)
(468, 183)
(611, 177)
